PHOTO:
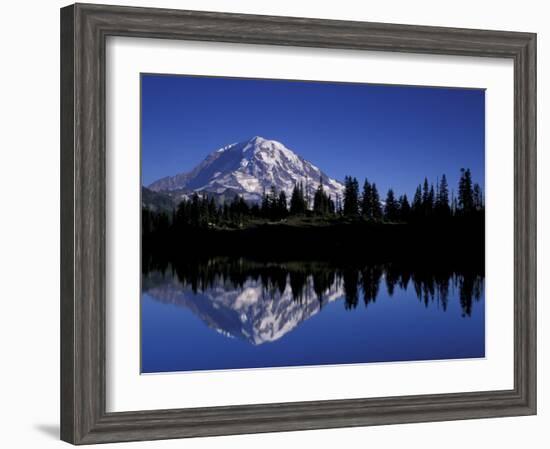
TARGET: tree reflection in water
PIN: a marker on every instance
(315, 280)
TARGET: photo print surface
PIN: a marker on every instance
(300, 223)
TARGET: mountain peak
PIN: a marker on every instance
(259, 142)
(257, 139)
(248, 169)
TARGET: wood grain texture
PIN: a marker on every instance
(67, 225)
(84, 29)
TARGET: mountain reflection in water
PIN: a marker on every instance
(261, 302)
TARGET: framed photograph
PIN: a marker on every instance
(273, 223)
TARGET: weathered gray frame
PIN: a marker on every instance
(84, 28)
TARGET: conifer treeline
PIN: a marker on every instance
(428, 203)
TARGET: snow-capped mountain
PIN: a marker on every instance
(249, 169)
(249, 312)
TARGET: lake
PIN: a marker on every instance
(235, 313)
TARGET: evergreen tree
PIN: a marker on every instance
(194, 213)
(478, 198)
(272, 203)
(391, 208)
(442, 207)
(453, 203)
(425, 195)
(203, 212)
(416, 207)
(282, 210)
(427, 198)
(212, 211)
(465, 193)
(404, 208)
(375, 203)
(297, 201)
(243, 207)
(182, 214)
(338, 205)
(351, 197)
(238, 210)
(431, 202)
(225, 213)
(454, 207)
(265, 205)
(306, 194)
(321, 201)
(366, 200)
(331, 206)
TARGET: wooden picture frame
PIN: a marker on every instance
(84, 29)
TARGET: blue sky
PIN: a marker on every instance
(394, 135)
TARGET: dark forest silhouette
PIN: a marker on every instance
(435, 221)
(428, 203)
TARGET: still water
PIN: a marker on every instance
(235, 313)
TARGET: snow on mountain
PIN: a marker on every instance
(249, 168)
(249, 312)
